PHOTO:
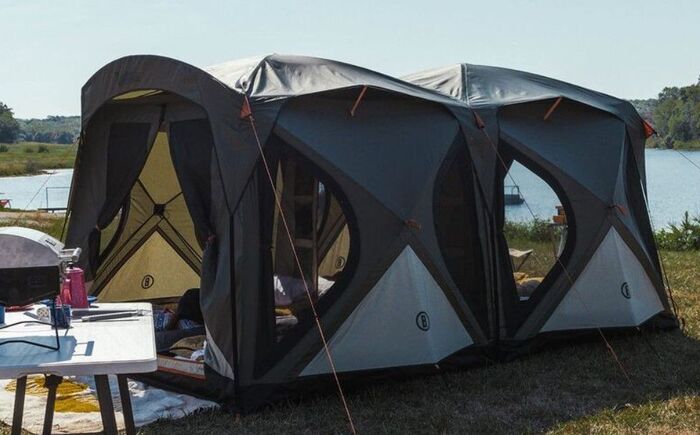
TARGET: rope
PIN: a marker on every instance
(674, 306)
(687, 158)
(662, 263)
(248, 113)
(609, 347)
(24, 210)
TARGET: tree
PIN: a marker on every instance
(9, 128)
(677, 114)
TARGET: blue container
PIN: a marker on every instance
(2, 314)
(61, 315)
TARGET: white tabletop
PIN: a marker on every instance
(90, 348)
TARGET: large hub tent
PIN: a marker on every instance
(589, 147)
(283, 184)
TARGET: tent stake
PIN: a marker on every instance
(357, 102)
(551, 109)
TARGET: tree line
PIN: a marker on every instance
(675, 114)
(54, 129)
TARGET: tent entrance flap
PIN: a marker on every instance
(150, 251)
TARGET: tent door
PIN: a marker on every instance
(153, 251)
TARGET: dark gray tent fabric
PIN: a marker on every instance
(383, 148)
(484, 87)
(580, 140)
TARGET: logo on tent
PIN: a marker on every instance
(625, 290)
(340, 262)
(147, 281)
(423, 321)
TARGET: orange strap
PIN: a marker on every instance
(648, 129)
(553, 108)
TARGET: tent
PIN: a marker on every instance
(589, 147)
(254, 179)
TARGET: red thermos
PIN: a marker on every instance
(66, 292)
(78, 292)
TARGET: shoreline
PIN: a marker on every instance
(44, 171)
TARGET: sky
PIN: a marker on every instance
(630, 49)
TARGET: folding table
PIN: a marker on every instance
(108, 347)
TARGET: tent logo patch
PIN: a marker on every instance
(423, 321)
(625, 290)
(340, 262)
(147, 281)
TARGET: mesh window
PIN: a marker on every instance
(534, 243)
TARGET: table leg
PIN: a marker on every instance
(20, 390)
(104, 396)
(51, 382)
(126, 405)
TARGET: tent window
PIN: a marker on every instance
(321, 240)
(322, 254)
(456, 229)
(534, 243)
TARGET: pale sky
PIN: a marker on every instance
(630, 49)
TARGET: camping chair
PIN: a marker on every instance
(520, 256)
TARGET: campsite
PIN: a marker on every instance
(571, 389)
(436, 240)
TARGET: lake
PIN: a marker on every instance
(673, 184)
(29, 192)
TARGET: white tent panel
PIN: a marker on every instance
(404, 320)
(613, 291)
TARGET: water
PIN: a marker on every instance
(673, 183)
(29, 192)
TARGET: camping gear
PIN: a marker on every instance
(512, 195)
(65, 292)
(115, 347)
(288, 166)
(61, 315)
(44, 314)
(32, 264)
(29, 266)
(521, 255)
(110, 316)
(164, 319)
(78, 293)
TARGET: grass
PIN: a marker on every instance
(571, 389)
(48, 223)
(29, 158)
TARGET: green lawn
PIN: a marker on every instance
(577, 388)
(31, 157)
(574, 389)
